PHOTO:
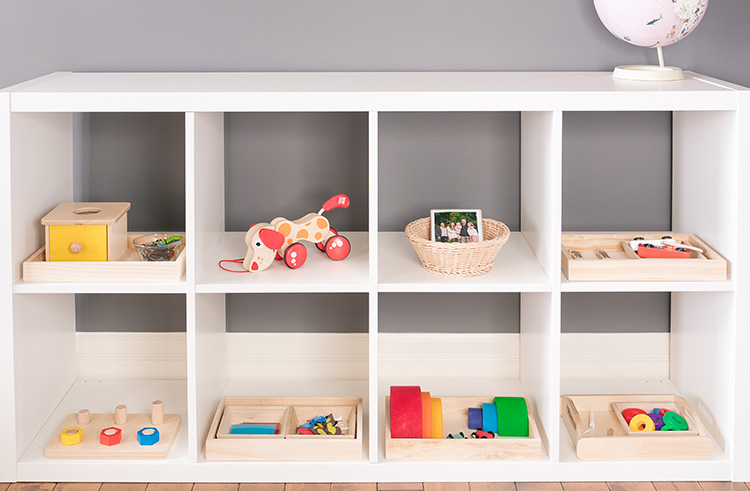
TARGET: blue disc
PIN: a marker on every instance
(489, 417)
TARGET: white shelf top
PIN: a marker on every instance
(319, 274)
(365, 91)
(516, 270)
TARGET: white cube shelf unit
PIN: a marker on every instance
(706, 349)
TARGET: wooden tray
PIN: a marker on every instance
(128, 448)
(610, 439)
(455, 419)
(128, 269)
(289, 412)
(623, 264)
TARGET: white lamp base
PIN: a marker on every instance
(648, 73)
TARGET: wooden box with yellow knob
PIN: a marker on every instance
(86, 232)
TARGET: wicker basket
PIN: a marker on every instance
(453, 259)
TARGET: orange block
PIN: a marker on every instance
(426, 415)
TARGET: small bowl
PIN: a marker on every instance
(157, 247)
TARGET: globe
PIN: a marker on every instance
(651, 24)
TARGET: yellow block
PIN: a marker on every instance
(437, 418)
(92, 240)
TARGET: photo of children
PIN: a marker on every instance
(456, 226)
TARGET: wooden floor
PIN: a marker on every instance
(404, 486)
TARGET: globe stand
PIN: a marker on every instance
(649, 72)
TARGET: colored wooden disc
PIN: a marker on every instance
(437, 418)
(475, 418)
(641, 422)
(512, 416)
(630, 412)
(406, 412)
(674, 422)
(489, 417)
(426, 415)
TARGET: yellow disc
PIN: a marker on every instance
(642, 422)
(71, 436)
(437, 418)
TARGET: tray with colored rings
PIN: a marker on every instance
(599, 431)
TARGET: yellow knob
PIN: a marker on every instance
(75, 247)
(71, 436)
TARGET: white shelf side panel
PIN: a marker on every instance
(318, 274)
(41, 177)
(703, 358)
(45, 359)
(742, 273)
(541, 187)
(374, 251)
(516, 269)
(7, 278)
(204, 178)
(704, 178)
(539, 362)
(204, 181)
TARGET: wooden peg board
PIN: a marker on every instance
(128, 448)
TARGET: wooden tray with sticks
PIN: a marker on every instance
(599, 434)
(610, 257)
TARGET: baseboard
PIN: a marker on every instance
(331, 356)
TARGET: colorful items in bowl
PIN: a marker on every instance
(157, 247)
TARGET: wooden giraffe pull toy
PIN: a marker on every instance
(280, 239)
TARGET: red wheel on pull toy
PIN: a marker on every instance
(338, 247)
(295, 255)
(322, 245)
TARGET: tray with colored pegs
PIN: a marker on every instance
(600, 432)
(286, 428)
(91, 436)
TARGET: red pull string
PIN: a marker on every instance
(236, 261)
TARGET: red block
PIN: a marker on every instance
(406, 412)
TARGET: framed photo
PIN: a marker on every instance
(456, 226)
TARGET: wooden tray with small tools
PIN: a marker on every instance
(288, 413)
(609, 257)
(599, 433)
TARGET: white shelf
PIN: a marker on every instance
(516, 270)
(318, 275)
(646, 286)
(101, 396)
(710, 118)
(130, 287)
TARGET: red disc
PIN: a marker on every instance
(406, 412)
(295, 255)
(338, 247)
(630, 412)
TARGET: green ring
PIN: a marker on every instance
(512, 416)
(674, 422)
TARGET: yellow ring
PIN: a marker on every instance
(642, 422)
(71, 436)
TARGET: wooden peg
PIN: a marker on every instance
(157, 413)
(84, 417)
(121, 414)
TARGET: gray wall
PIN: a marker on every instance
(417, 150)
